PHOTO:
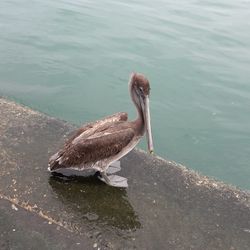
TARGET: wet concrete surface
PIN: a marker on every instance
(22, 229)
(166, 205)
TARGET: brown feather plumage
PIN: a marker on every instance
(121, 116)
(94, 142)
(89, 151)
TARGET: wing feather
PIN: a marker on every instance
(89, 128)
(88, 151)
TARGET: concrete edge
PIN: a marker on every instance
(203, 182)
(191, 176)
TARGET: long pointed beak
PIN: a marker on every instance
(148, 125)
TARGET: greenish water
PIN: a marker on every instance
(72, 59)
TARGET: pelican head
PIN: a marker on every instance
(139, 91)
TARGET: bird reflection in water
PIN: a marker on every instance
(94, 202)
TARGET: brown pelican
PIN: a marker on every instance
(99, 145)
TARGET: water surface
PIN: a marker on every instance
(72, 60)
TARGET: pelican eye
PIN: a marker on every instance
(141, 90)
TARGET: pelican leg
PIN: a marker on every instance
(114, 167)
(113, 180)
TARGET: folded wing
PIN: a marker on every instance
(91, 127)
(86, 151)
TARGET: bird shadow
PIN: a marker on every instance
(95, 202)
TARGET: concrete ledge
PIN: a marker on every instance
(166, 206)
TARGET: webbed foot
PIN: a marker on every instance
(114, 180)
(114, 167)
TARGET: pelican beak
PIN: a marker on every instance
(148, 125)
